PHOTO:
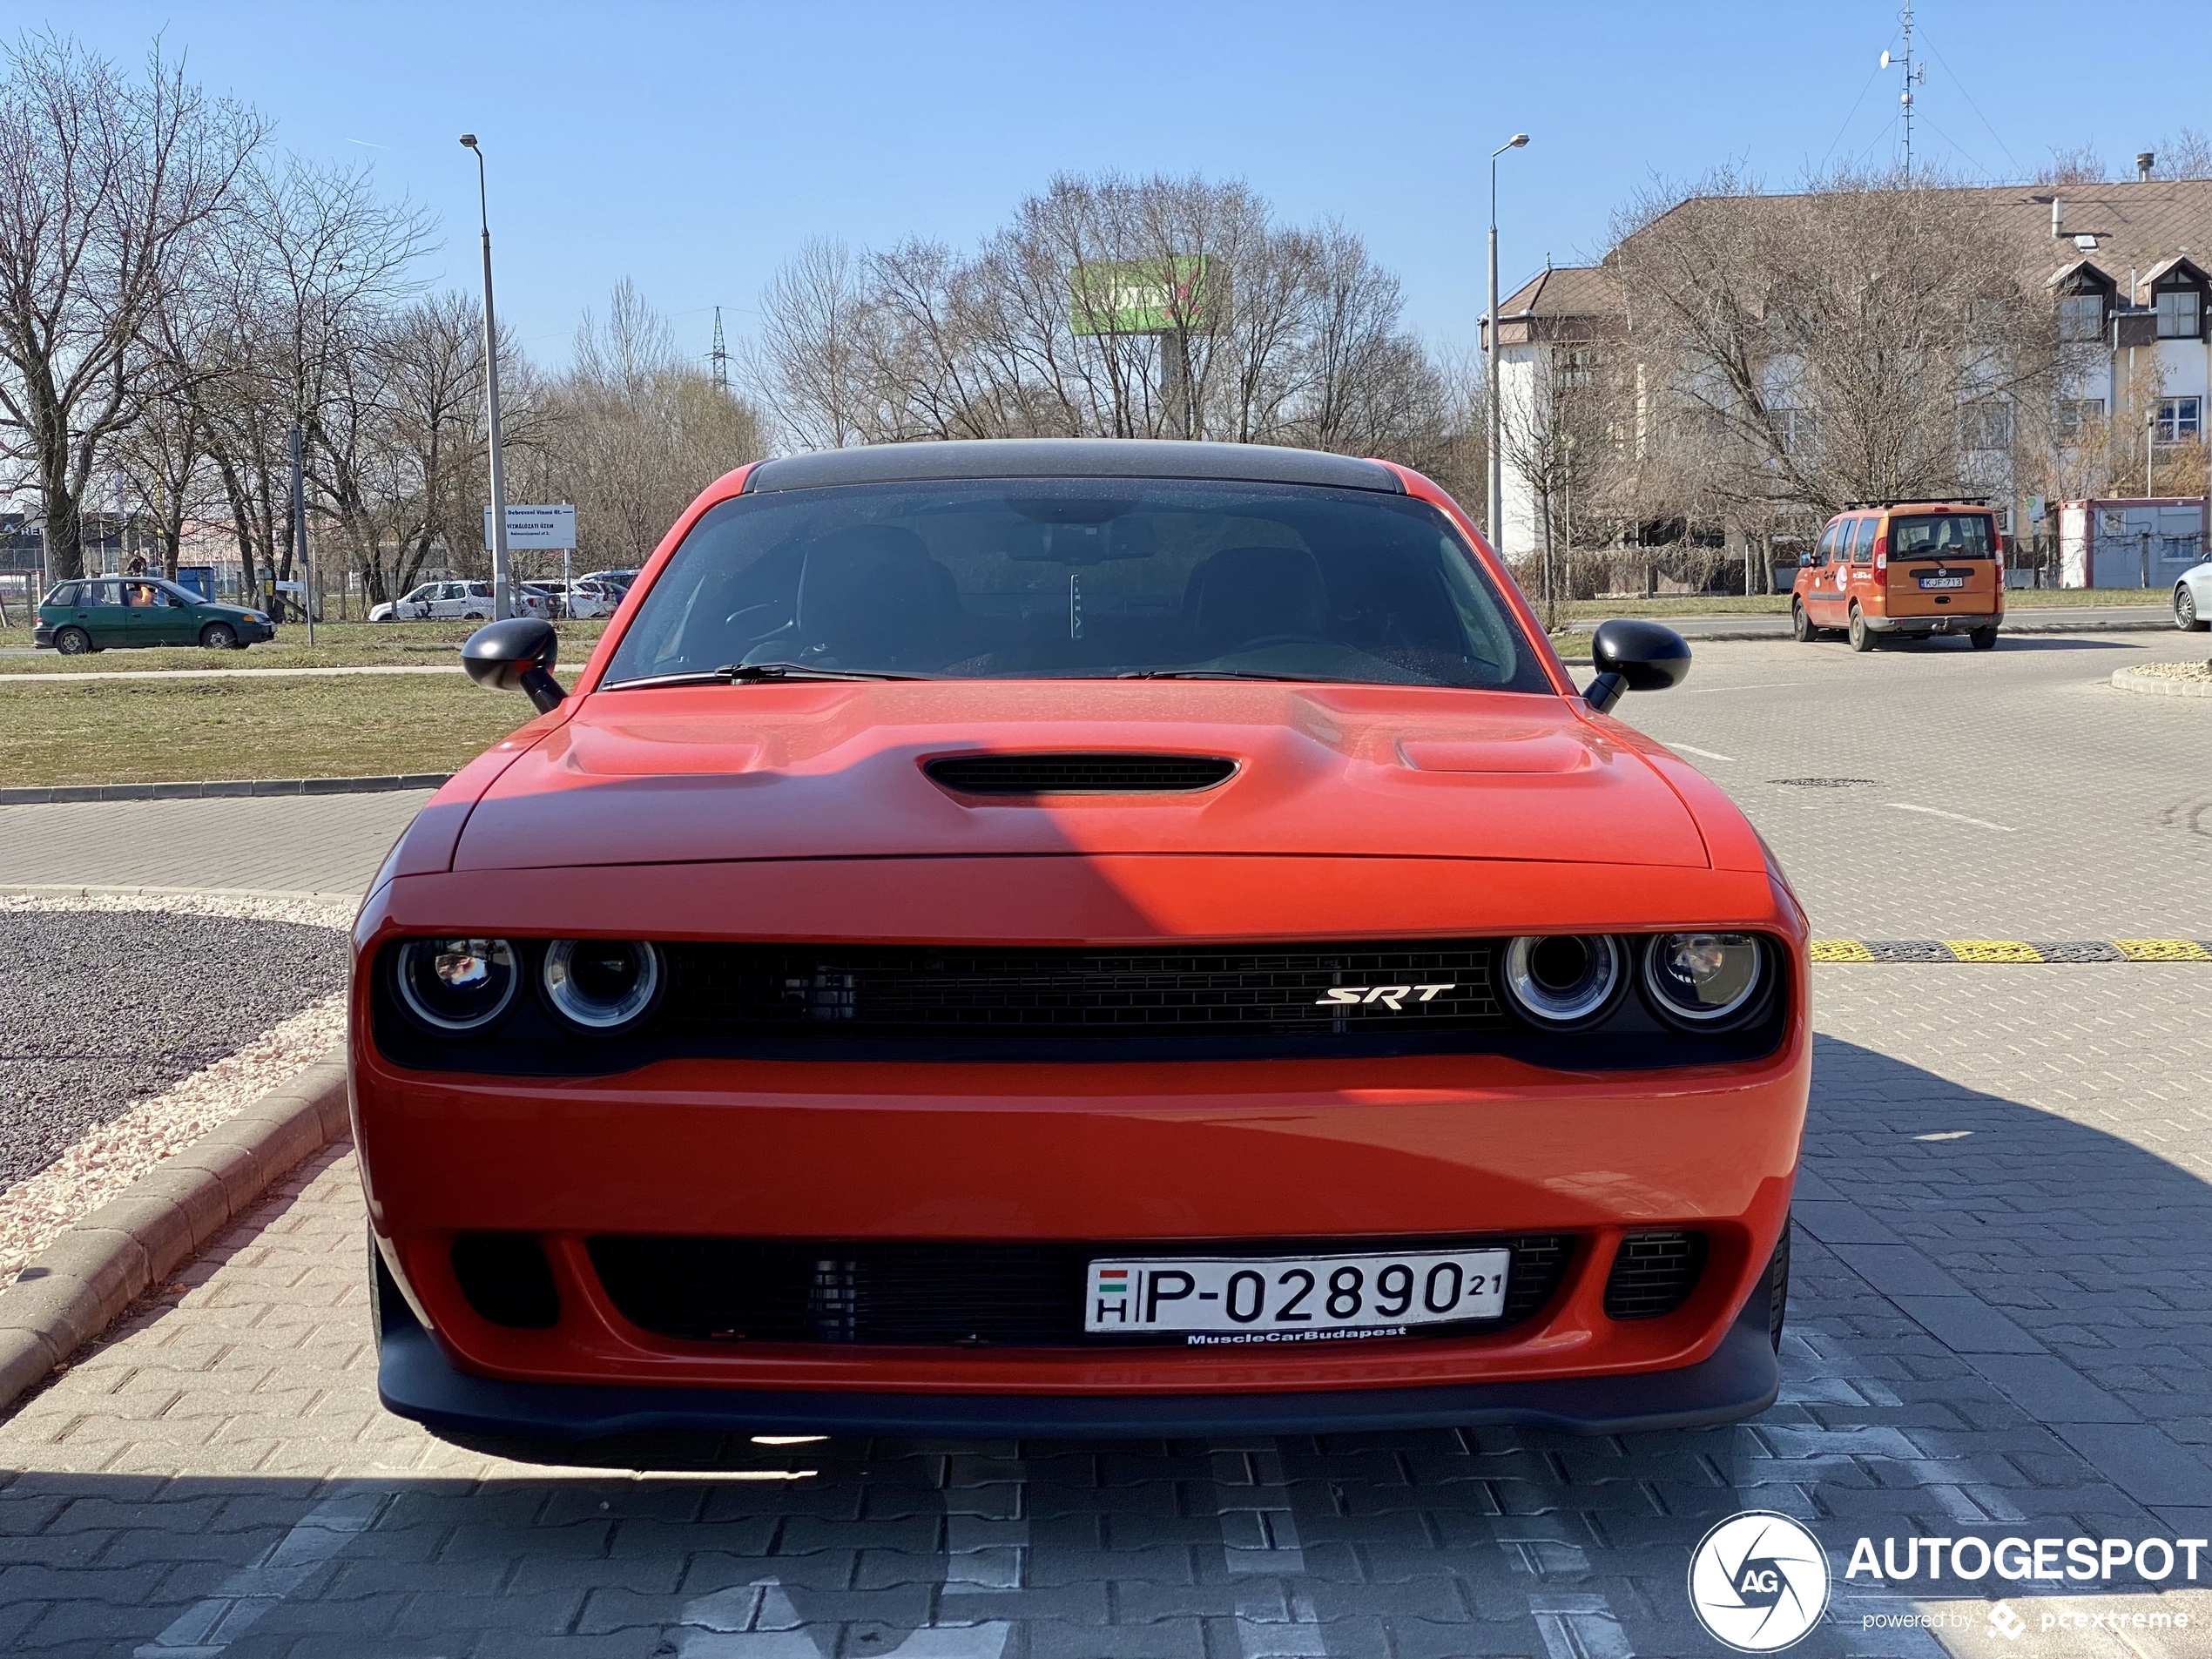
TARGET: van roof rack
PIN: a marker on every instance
(1921, 501)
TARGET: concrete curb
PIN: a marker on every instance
(76, 1287)
(58, 793)
(2130, 679)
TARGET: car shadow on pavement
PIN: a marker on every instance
(2000, 1327)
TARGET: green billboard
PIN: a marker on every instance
(1174, 295)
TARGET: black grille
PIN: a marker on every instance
(1014, 1294)
(1080, 774)
(506, 1279)
(1654, 1274)
(861, 991)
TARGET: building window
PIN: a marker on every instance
(2181, 419)
(1571, 365)
(2179, 311)
(2075, 412)
(1987, 425)
(2081, 316)
(1799, 430)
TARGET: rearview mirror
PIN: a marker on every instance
(1633, 655)
(517, 655)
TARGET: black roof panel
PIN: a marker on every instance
(1069, 458)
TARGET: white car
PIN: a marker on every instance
(468, 601)
(2193, 598)
(595, 596)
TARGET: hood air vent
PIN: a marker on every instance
(1080, 774)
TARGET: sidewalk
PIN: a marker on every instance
(265, 844)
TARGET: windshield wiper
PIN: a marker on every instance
(752, 673)
(1224, 674)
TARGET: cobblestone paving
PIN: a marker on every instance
(1998, 1329)
(2005, 795)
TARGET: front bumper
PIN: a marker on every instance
(413, 1380)
(1964, 623)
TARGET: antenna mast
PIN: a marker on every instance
(720, 357)
(1913, 72)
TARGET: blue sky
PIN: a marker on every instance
(693, 147)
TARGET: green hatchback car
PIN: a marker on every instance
(122, 610)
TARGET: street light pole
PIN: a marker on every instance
(1490, 359)
(499, 577)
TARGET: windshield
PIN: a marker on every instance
(1083, 578)
(1949, 536)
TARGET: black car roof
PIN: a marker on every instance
(1069, 458)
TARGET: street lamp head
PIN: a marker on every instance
(1518, 141)
(469, 138)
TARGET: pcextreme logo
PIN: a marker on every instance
(1759, 1582)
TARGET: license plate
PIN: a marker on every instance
(1227, 1300)
(1943, 581)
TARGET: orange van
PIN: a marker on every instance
(1905, 568)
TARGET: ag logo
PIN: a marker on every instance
(1759, 1582)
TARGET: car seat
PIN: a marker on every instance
(871, 596)
(1242, 596)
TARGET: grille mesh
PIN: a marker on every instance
(829, 991)
(1654, 1274)
(963, 1293)
(1079, 774)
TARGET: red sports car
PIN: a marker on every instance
(1077, 938)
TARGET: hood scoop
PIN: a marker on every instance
(1078, 774)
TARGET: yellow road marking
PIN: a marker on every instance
(1840, 950)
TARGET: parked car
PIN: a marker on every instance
(102, 612)
(555, 595)
(468, 601)
(598, 594)
(1909, 569)
(2193, 598)
(1080, 939)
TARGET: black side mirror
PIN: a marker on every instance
(1804, 561)
(1633, 655)
(517, 655)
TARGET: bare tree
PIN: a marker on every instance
(106, 183)
(1804, 351)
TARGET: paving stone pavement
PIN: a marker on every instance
(291, 843)
(1998, 1328)
(2005, 794)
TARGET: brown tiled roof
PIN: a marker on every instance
(1566, 291)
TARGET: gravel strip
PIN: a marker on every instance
(102, 1009)
(2173, 671)
(35, 1212)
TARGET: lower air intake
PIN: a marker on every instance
(1080, 774)
(506, 1279)
(1654, 1274)
(1021, 1295)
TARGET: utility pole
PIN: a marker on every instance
(500, 602)
(718, 358)
(1490, 361)
(300, 533)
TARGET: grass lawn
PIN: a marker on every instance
(338, 645)
(127, 731)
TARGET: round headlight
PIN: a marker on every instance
(1703, 977)
(456, 984)
(602, 984)
(1563, 979)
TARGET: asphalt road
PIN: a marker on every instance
(101, 1009)
(2020, 620)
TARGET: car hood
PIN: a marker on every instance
(834, 770)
